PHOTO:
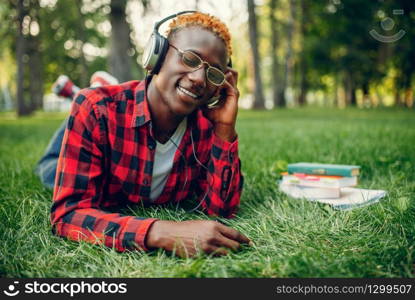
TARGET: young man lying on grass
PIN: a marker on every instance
(153, 142)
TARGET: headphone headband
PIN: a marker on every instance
(158, 24)
(157, 46)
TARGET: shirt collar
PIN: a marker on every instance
(141, 113)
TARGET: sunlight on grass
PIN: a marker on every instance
(293, 238)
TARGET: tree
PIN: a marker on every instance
(403, 60)
(275, 69)
(303, 66)
(21, 45)
(120, 45)
(68, 29)
(35, 63)
(358, 61)
(81, 34)
(338, 45)
(259, 101)
(29, 83)
(287, 78)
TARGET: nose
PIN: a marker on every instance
(198, 77)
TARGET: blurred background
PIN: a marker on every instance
(289, 53)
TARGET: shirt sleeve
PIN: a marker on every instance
(220, 186)
(78, 195)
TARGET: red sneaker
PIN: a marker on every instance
(64, 87)
(101, 78)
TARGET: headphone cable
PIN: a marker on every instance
(186, 178)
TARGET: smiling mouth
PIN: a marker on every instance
(188, 93)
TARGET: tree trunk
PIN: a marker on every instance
(35, 73)
(35, 67)
(196, 5)
(21, 45)
(259, 101)
(274, 46)
(350, 89)
(288, 67)
(84, 78)
(119, 60)
(366, 95)
(407, 98)
(353, 101)
(398, 101)
(398, 89)
(336, 90)
(303, 61)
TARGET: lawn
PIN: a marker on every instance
(293, 238)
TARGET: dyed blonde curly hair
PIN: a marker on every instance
(203, 20)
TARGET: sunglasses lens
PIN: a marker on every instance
(215, 76)
(191, 60)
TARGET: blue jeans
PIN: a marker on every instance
(46, 167)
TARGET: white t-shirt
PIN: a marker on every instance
(163, 160)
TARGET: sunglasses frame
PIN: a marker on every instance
(202, 63)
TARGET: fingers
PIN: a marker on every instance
(228, 243)
(218, 251)
(231, 77)
(194, 237)
(233, 234)
(232, 90)
(186, 252)
(233, 72)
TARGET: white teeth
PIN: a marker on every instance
(187, 92)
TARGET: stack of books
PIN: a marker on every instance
(321, 180)
(327, 183)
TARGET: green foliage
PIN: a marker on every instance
(336, 44)
(65, 27)
(404, 62)
(6, 15)
(332, 39)
(293, 238)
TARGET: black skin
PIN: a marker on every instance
(168, 107)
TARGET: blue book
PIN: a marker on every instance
(324, 169)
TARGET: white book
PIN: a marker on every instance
(349, 197)
(319, 181)
(315, 192)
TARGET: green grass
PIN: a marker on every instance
(293, 238)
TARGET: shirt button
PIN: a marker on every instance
(151, 146)
(145, 181)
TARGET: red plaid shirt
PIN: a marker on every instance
(106, 162)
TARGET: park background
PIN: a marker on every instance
(317, 84)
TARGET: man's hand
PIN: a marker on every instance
(187, 237)
(223, 117)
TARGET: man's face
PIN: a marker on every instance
(175, 80)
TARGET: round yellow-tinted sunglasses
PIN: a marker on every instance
(193, 61)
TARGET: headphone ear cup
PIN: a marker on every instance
(157, 46)
(162, 47)
(149, 58)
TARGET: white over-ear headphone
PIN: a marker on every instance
(157, 46)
